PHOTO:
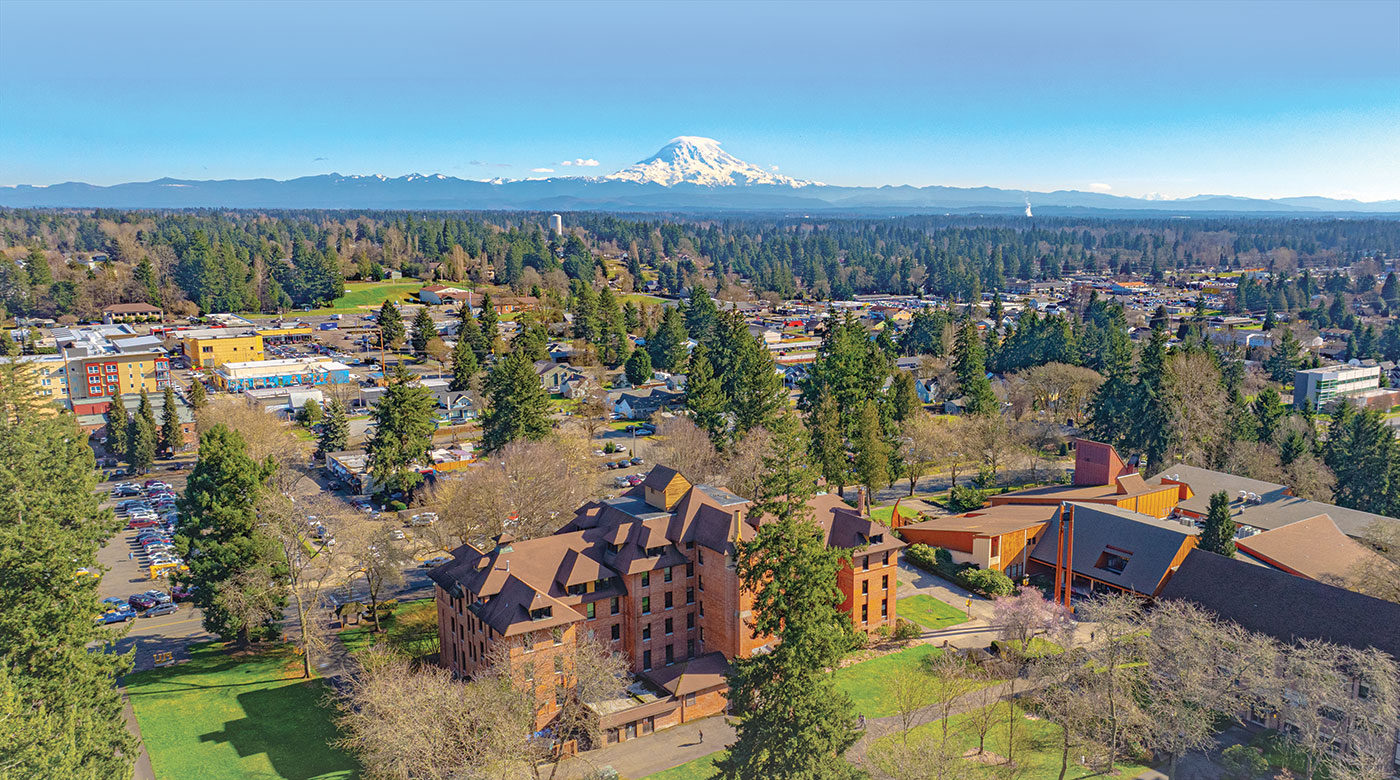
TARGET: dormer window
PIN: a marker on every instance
(1112, 562)
(653, 552)
(877, 539)
(578, 590)
(543, 613)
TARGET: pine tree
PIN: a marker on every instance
(146, 279)
(469, 331)
(172, 436)
(60, 709)
(488, 320)
(518, 407)
(118, 428)
(794, 724)
(1283, 359)
(199, 397)
(638, 368)
(403, 433)
(970, 363)
(904, 394)
(334, 431)
(142, 436)
(701, 314)
(8, 347)
(668, 345)
(1361, 450)
(230, 559)
(1218, 534)
(391, 330)
(464, 367)
(704, 398)
(423, 330)
(613, 345)
(1268, 410)
(872, 466)
(1151, 429)
(756, 393)
(829, 443)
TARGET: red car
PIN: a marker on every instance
(134, 524)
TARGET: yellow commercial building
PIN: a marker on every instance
(213, 347)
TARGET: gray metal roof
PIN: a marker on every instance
(1149, 545)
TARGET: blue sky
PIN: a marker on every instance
(1258, 99)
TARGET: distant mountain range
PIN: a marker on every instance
(689, 174)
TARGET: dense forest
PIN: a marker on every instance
(274, 260)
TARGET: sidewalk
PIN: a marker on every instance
(644, 756)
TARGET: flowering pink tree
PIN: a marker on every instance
(1029, 614)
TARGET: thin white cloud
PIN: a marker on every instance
(773, 168)
(581, 162)
(1099, 186)
(541, 170)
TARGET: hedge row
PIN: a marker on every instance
(936, 560)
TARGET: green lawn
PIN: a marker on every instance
(374, 294)
(221, 717)
(929, 612)
(1036, 751)
(701, 768)
(867, 682)
(412, 627)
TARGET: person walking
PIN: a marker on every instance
(702, 736)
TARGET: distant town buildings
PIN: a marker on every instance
(1322, 386)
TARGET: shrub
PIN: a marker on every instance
(859, 640)
(942, 557)
(397, 506)
(965, 499)
(1242, 762)
(989, 582)
(906, 630)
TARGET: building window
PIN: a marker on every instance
(690, 648)
(646, 579)
(865, 563)
(616, 631)
(690, 700)
(885, 582)
(646, 632)
(666, 574)
(558, 636)
(700, 583)
(669, 627)
(887, 558)
(690, 595)
(700, 555)
(615, 604)
(864, 613)
(646, 605)
(670, 654)
(689, 570)
(702, 609)
(646, 660)
(884, 609)
(690, 620)
(864, 587)
(591, 610)
(669, 597)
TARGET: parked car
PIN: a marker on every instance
(116, 616)
(167, 608)
(114, 601)
(635, 480)
(637, 461)
(621, 482)
(181, 593)
(160, 596)
(422, 519)
(435, 562)
(141, 601)
(141, 523)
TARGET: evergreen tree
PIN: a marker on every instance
(469, 331)
(423, 330)
(668, 346)
(60, 709)
(403, 433)
(518, 407)
(1218, 533)
(704, 397)
(37, 264)
(391, 329)
(794, 724)
(756, 390)
(172, 436)
(199, 397)
(464, 367)
(872, 466)
(8, 347)
(904, 394)
(142, 436)
(118, 428)
(701, 314)
(1151, 428)
(970, 363)
(638, 368)
(147, 281)
(829, 443)
(584, 307)
(231, 560)
(1268, 410)
(334, 431)
(488, 319)
(1362, 450)
(613, 344)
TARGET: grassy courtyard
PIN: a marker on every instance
(929, 612)
(358, 294)
(411, 627)
(227, 717)
(867, 682)
(701, 768)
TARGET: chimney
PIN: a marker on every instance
(862, 502)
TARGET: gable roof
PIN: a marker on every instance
(1312, 548)
(1283, 606)
(1150, 545)
(1205, 482)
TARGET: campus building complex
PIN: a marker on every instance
(212, 347)
(101, 362)
(651, 574)
(1322, 386)
(291, 372)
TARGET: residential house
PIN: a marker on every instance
(642, 403)
(438, 294)
(130, 312)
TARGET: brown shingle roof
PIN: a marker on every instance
(992, 521)
(1314, 548)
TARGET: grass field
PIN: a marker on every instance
(1036, 751)
(867, 682)
(929, 612)
(373, 294)
(221, 717)
(701, 768)
(411, 626)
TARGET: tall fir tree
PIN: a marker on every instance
(142, 436)
(391, 329)
(423, 330)
(793, 722)
(638, 368)
(518, 407)
(172, 436)
(828, 441)
(1268, 412)
(199, 397)
(668, 346)
(60, 709)
(756, 393)
(1283, 357)
(904, 395)
(333, 434)
(1151, 429)
(872, 465)
(703, 396)
(970, 363)
(231, 561)
(118, 428)
(1362, 451)
(1218, 533)
(464, 367)
(488, 319)
(403, 432)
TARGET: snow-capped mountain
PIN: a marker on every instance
(691, 159)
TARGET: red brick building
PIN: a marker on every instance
(651, 574)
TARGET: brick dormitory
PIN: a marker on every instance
(651, 574)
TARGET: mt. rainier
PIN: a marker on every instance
(691, 159)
